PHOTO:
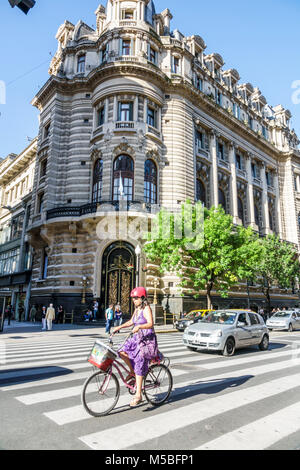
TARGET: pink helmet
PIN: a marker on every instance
(139, 292)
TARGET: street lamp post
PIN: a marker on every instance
(155, 284)
(138, 257)
(84, 285)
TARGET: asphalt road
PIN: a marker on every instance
(249, 401)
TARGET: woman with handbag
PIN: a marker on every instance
(141, 348)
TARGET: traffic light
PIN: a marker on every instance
(24, 5)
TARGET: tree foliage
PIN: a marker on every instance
(213, 260)
(278, 264)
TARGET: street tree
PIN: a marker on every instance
(278, 264)
(214, 260)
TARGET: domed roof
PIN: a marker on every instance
(149, 11)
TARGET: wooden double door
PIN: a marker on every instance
(118, 276)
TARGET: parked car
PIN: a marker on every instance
(284, 320)
(227, 330)
(190, 318)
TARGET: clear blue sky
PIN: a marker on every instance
(260, 38)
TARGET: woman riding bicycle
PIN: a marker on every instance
(141, 348)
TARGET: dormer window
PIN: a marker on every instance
(81, 64)
(128, 14)
(176, 65)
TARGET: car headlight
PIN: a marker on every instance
(218, 333)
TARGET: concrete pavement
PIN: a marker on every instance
(23, 329)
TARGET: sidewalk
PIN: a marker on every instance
(26, 328)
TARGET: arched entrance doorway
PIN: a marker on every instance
(118, 275)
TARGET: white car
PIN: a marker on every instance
(227, 330)
(284, 320)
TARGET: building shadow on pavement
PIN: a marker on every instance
(13, 376)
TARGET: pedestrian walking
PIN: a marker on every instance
(10, 312)
(109, 317)
(50, 316)
(118, 316)
(44, 310)
(21, 313)
(95, 310)
(60, 314)
(33, 313)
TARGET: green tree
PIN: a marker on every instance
(224, 254)
(278, 264)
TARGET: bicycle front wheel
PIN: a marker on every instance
(100, 393)
(158, 384)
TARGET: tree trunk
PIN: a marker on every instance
(268, 301)
(208, 297)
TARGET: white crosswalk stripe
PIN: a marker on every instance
(51, 373)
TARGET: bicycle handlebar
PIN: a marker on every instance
(127, 337)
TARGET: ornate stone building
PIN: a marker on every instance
(16, 181)
(135, 115)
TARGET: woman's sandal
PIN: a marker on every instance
(135, 402)
(129, 377)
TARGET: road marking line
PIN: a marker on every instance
(195, 386)
(196, 412)
(260, 434)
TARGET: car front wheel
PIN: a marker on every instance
(264, 345)
(229, 348)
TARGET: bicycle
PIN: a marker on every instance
(101, 391)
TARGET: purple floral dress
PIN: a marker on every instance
(141, 348)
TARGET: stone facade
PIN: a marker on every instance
(134, 109)
(16, 182)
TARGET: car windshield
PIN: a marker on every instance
(282, 314)
(220, 317)
(190, 316)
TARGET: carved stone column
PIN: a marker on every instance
(233, 185)
(265, 202)
(277, 204)
(214, 173)
(250, 198)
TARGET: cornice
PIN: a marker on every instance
(221, 115)
(70, 86)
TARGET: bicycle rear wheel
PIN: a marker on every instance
(100, 393)
(158, 384)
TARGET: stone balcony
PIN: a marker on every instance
(103, 206)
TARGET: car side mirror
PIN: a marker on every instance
(241, 324)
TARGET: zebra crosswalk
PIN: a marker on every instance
(249, 401)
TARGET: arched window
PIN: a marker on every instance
(150, 182)
(123, 178)
(200, 192)
(241, 210)
(97, 181)
(222, 199)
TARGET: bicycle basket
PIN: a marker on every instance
(102, 356)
